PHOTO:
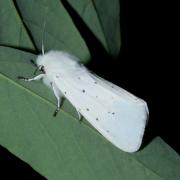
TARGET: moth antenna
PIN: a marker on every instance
(43, 37)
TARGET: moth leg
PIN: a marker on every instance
(36, 78)
(33, 63)
(58, 97)
(79, 115)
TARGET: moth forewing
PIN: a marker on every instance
(117, 114)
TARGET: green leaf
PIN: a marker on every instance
(12, 31)
(102, 18)
(61, 147)
(59, 31)
(160, 157)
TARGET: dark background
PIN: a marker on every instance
(146, 67)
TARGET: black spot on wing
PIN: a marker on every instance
(113, 113)
(83, 91)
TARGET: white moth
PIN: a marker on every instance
(117, 114)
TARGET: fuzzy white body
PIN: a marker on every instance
(117, 114)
